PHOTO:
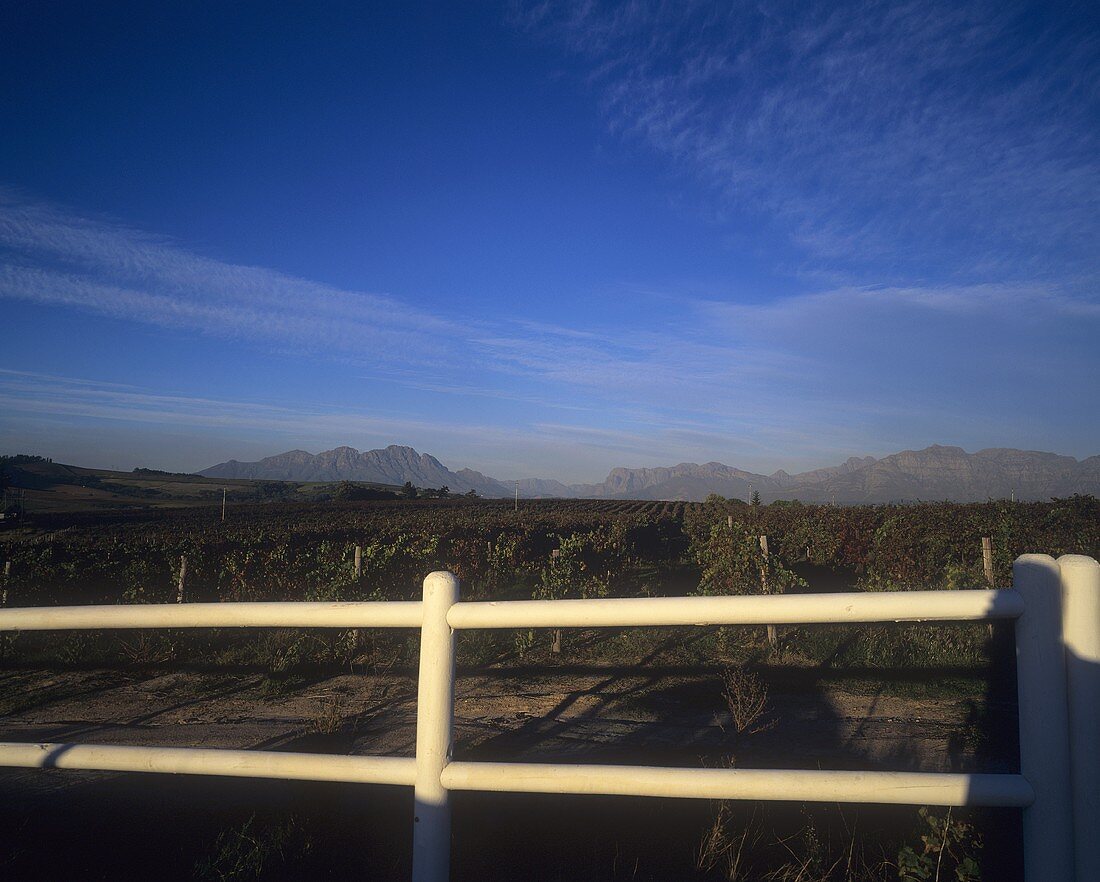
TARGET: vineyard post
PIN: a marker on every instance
(772, 636)
(1044, 724)
(1081, 628)
(555, 645)
(223, 504)
(434, 731)
(987, 567)
(3, 603)
(182, 579)
(357, 571)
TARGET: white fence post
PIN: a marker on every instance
(434, 731)
(1081, 628)
(1044, 725)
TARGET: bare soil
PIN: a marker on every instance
(107, 825)
(511, 714)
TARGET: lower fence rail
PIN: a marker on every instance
(781, 785)
(212, 761)
(894, 788)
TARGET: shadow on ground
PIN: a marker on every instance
(69, 825)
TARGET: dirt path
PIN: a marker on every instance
(615, 716)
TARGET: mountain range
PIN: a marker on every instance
(934, 473)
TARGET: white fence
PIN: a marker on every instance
(1055, 604)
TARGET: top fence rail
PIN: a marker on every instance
(797, 609)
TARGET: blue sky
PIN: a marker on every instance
(548, 239)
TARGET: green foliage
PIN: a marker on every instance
(949, 849)
(605, 548)
(160, 473)
(351, 491)
(279, 552)
(581, 566)
(732, 561)
(22, 459)
(524, 642)
(563, 576)
(502, 564)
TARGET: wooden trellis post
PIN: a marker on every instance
(555, 645)
(772, 636)
(3, 603)
(987, 567)
(183, 578)
(357, 572)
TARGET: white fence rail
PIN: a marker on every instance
(1056, 606)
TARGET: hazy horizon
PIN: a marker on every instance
(549, 241)
(129, 466)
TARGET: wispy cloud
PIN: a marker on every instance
(952, 139)
(948, 303)
(52, 257)
(57, 257)
(848, 369)
(60, 397)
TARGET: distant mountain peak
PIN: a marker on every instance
(931, 473)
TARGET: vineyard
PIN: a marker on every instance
(931, 697)
(540, 549)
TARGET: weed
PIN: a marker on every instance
(328, 719)
(478, 648)
(149, 648)
(949, 849)
(279, 685)
(771, 845)
(78, 648)
(525, 642)
(746, 698)
(252, 851)
(722, 847)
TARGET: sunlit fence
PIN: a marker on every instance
(1055, 605)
